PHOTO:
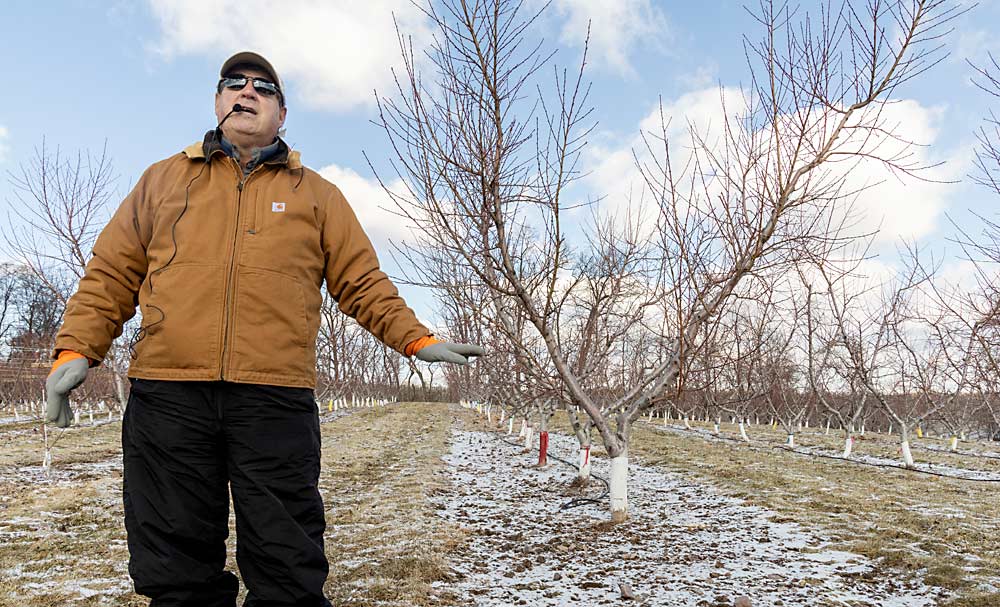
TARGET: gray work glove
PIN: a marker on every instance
(59, 384)
(449, 353)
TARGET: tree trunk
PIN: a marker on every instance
(619, 487)
(120, 389)
(583, 468)
(543, 443)
(848, 447)
(907, 456)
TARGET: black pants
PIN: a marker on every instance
(185, 444)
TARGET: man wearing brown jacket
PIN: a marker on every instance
(225, 248)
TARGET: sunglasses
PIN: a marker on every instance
(236, 82)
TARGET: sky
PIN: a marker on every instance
(140, 78)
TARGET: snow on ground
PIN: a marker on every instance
(684, 544)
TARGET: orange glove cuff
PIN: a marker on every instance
(414, 346)
(64, 357)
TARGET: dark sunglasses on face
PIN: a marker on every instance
(236, 82)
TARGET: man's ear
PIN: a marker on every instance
(281, 116)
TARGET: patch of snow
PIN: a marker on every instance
(683, 543)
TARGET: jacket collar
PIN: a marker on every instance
(211, 146)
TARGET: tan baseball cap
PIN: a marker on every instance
(255, 59)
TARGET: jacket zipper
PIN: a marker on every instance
(231, 274)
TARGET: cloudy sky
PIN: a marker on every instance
(141, 76)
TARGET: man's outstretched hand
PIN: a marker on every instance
(67, 373)
(447, 352)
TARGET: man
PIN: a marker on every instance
(225, 247)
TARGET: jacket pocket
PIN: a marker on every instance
(271, 327)
(181, 317)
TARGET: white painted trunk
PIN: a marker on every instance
(524, 425)
(743, 432)
(791, 440)
(76, 417)
(91, 414)
(715, 427)
(687, 423)
(510, 426)
(527, 437)
(961, 436)
(584, 464)
(489, 414)
(890, 429)
(848, 447)
(619, 486)
(827, 428)
(862, 429)
(907, 456)
(807, 423)
(503, 416)
(954, 443)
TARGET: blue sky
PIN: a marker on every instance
(141, 76)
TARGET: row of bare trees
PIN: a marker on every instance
(677, 300)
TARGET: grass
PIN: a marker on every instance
(387, 547)
(384, 543)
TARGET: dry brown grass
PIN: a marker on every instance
(384, 543)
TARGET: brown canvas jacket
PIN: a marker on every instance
(228, 272)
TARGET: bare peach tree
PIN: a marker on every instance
(979, 307)
(832, 380)
(486, 153)
(61, 202)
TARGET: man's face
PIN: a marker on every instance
(257, 127)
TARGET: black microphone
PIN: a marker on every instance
(217, 134)
(236, 108)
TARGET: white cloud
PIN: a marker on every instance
(4, 149)
(906, 207)
(617, 29)
(374, 208)
(615, 174)
(701, 77)
(897, 206)
(333, 54)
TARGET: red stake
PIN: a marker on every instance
(543, 449)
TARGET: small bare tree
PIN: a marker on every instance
(61, 202)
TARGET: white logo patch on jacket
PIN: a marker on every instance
(277, 207)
